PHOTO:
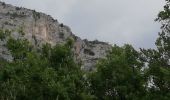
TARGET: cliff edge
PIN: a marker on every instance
(40, 28)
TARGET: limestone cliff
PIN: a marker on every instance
(40, 28)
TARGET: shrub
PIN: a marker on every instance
(17, 8)
(21, 31)
(61, 25)
(4, 34)
(36, 15)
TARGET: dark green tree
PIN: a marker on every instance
(117, 76)
(48, 75)
(157, 71)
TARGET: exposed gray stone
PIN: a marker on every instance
(40, 28)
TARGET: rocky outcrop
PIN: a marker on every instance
(40, 28)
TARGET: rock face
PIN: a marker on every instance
(40, 28)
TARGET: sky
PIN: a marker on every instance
(113, 21)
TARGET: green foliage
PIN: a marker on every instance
(69, 73)
(59, 56)
(52, 74)
(4, 34)
(69, 42)
(18, 48)
(159, 73)
(117, 76)
(16, 14)
(49, 75)
(46, 51)
(31, 79)
(21, 31)
(165, 14)
(159, 60)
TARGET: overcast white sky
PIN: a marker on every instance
(113, 21)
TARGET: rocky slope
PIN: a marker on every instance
(40, 28)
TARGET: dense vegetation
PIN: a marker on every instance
(50, 73)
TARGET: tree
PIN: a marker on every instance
(48, 75)
(117, 76)
(158, 61)
(18, 48)
(69, 73)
